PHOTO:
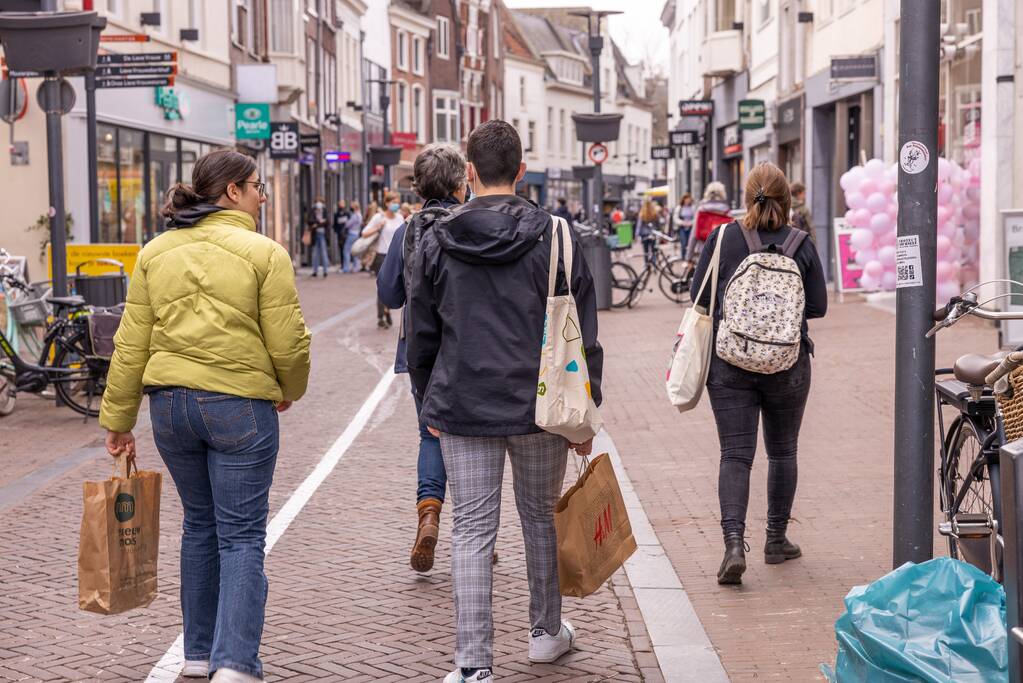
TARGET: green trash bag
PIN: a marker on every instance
(942, 620)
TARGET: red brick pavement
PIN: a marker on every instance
(343, 603)
(779, 624)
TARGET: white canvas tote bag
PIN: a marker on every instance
(690, 362)
(564, 402)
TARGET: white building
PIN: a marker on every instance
(547, 79)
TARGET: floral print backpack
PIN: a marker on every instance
(762, 308)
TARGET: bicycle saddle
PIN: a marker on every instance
(973, 368)
(66, 301)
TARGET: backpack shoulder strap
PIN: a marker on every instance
(792, 243)
(752, 240)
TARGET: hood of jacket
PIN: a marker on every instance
(187, 218)
(492, 229)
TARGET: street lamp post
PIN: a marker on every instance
(385, 103)
(596, 45)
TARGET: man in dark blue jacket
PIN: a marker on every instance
(477, 307)
(439, 178)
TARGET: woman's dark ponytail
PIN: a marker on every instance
(211, 175)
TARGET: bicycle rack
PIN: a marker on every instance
(1011, 461)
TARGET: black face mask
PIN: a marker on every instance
(469, 196)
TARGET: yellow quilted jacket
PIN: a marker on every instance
(211, 307)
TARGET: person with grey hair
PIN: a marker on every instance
(438, 176)
(711, 212)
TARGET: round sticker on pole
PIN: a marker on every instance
(914, 157)
(598, 153)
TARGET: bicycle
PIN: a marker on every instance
(968, 471)
(627, 286)
(66, 360)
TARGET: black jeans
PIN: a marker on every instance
(738, 398)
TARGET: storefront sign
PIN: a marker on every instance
(284, 140)
(662, 152)
(790, 120)
(336, 157)
(681, 138)
(554, 173)
(310, 141)
(849, 272)
(752, 114)
(80, 254)
(124, 38)
(854, 68)
(731, 140)
(696, 108)
(404, 140)
(252, 121)
(173, 102)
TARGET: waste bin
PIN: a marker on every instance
(624, 232)
(598, 258)
(104, 291)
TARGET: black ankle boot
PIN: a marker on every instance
(778, 548)
(734, 563)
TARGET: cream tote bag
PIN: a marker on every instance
(564, 404)
(690, 362)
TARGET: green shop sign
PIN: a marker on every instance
(752, 114)
(252, 121)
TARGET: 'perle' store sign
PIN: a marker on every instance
(252, 121)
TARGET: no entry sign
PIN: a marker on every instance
(598, 153)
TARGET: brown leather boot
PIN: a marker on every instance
(426, 537)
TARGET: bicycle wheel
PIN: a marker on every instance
(964, 476)
(81, 388)
(675, 288)
(8, 397)
(623, 281)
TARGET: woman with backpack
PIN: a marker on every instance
(769, 283)
(438, 175)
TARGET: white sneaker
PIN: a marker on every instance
(196, 668)
(481, 676)
(545, 648)
(223, 675)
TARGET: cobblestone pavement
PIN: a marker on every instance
(343, 603)
(779, 625)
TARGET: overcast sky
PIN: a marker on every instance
(638, 31)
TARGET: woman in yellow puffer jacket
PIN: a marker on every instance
(213, 333)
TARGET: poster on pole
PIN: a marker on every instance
(847, 271)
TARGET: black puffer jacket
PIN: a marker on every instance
(479, 296)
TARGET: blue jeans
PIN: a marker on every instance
(349, 263)
(433, 478)
(320, 257)
(221, 451)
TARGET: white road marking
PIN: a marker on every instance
(169, 666)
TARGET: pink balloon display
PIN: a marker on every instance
(946, 290)
(861, 218)
(855, 200)
(874, 168)
(877, 203)
(944, 213)
(888, 280)
(880, 222)
(868, 283)
(943, 246)
(886, 239)
(861, 239)
(868, 187)
(943, 271)
(874, 269)
(944, 168)
(886, 255)
(865, 256)
(945, 194)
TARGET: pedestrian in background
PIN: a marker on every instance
(439, 178)
(213, 333)
(739, 398)
(317, 224)
(353, 228)
(651, 220)
(385, 224)
(683, 217)
(341, 214)
(477, 307)
(562, 210)
(710, 213)
(801, 217)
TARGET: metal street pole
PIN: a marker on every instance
(596, 47)
(385, 102)
(55, 173)
(914, 368)
(92, 153)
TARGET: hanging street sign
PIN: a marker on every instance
(597, 153)
(662, 152)
(117, 82)
(284, 140)
(688, 108)
(336, 157)
(854, 68)
(310, 140)
(252, 121)
(139, 58)
(681, 138)
(140, 70)
(124, 38)
(752, 114)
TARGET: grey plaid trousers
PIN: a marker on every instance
(475, 467)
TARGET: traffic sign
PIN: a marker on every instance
(597, 153)
(118, 82)
(138, 70)
(139, 58)
(284, 140)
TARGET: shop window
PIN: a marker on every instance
(131, 172)
(106, 173)
(282, 35)
(163, 174)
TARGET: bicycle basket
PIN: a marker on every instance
(1012, 406)
(29, 312)
(103, 324)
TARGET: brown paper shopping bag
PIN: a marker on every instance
(594, 533)
(120, 540)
